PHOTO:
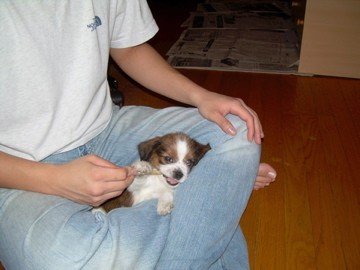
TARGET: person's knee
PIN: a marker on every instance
(238, 145)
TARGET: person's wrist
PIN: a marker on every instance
(197, 97)
(50, 179)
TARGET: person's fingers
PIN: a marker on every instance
(112, 186)
(241, 111)
(98, 161)
(257, 127)
(259, 133)
(97, 201)
(224, 124)
(114, 174)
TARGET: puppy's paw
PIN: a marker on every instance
(164, 208)
(98, 210)
(142, 167)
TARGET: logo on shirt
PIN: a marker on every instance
(96, 22)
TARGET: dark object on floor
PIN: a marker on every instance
(116, 96)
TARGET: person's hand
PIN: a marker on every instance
(91, 180)
(215, 107)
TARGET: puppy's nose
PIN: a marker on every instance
(178, 174)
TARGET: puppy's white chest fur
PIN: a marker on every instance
(147, 187)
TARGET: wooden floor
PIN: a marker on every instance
(310, 217)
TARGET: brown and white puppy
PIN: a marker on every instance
(165, 162)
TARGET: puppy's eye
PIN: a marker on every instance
(189, 162)
(168, 159)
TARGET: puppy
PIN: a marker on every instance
(165, 162)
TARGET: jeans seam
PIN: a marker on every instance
(223, 263)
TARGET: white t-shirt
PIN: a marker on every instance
(54, 55)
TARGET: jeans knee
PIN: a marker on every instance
(238, 145)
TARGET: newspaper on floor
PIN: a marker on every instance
(235, 49)
(238, 21)
(245, 6)
(242, 35)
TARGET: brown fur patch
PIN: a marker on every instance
(124, 200)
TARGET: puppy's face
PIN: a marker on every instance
(174, 155)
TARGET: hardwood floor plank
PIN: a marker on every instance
(300, 253)
(272, 203)
(327, 241)
(343, 193)
(269, 201)
(213, 81)
(236, 85)
(352, 100)
(345, 117)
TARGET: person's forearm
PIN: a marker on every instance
(148, 68)
(87, 180)
(18, 173)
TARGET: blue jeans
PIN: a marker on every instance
(40, 231)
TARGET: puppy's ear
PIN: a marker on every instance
(200, 151)
(146, 148)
